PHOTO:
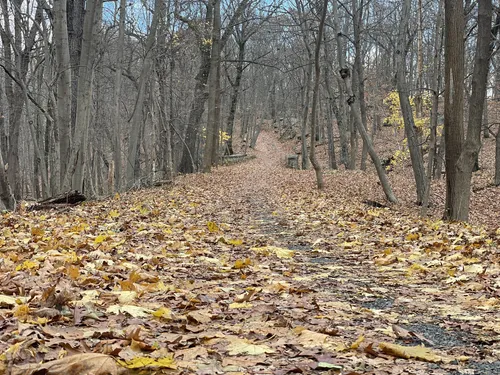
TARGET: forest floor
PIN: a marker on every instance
(249, 270)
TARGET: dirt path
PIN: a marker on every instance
(356, 266)
(251, 270)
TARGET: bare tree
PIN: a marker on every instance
(417, 160)
(212, 129)
(117, 128)
(63, 96)
(461, 153)
(321, 9)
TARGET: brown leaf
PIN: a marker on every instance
(81, 364)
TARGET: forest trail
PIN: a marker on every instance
(248, 270)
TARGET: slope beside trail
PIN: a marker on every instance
(248, 270)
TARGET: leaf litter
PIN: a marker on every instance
(248, 270)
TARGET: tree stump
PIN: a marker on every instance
(292, 161)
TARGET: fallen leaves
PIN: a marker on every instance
(239, 346)
(257, 272)
(82, 364)
(407, 352)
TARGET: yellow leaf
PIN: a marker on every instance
(356, 344)
(22, 311)
(71, 257)
(134, 277)
(37, 231)
(407, 352)
(100, 239)
(242, 263)
(28, 265)
(412, 237)
(73, 271)
(212, 227)
(240, 305)
(113, 214)
(416, 268)
(163, 312)
(140, 362)
(350, 245)
(235, 242)
(127, 285)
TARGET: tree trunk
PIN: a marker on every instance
(75, 168)
(189, 154)
(16, 65)
(137, 117)
(312, 152)
(340, 113)
(212, 129)
(420, 61)
(497, 158)
(356, 113)
(236, 90)
(417, 161)
(460, 155)
(77, 9)
(7, 201)
(332, 160)
(435, 86)
(348, 136)
(165, 122)
(305, 111)
(63, 74)
(117, 129)
(359, 82)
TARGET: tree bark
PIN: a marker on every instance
(241, 41)
(417, 161)
(212, 129)
(63, 74)
(339, 114)
(497, 158)
(358, 67)
(356, 112)
(137, 117)
(117, 129)
(75, 168)
(16, 65)
(344, 119)
(188, 163)
(460, 155)
(317, 71)
(164, 58)
(7, 201)
(435, 86)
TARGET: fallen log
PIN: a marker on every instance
(69, 198)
